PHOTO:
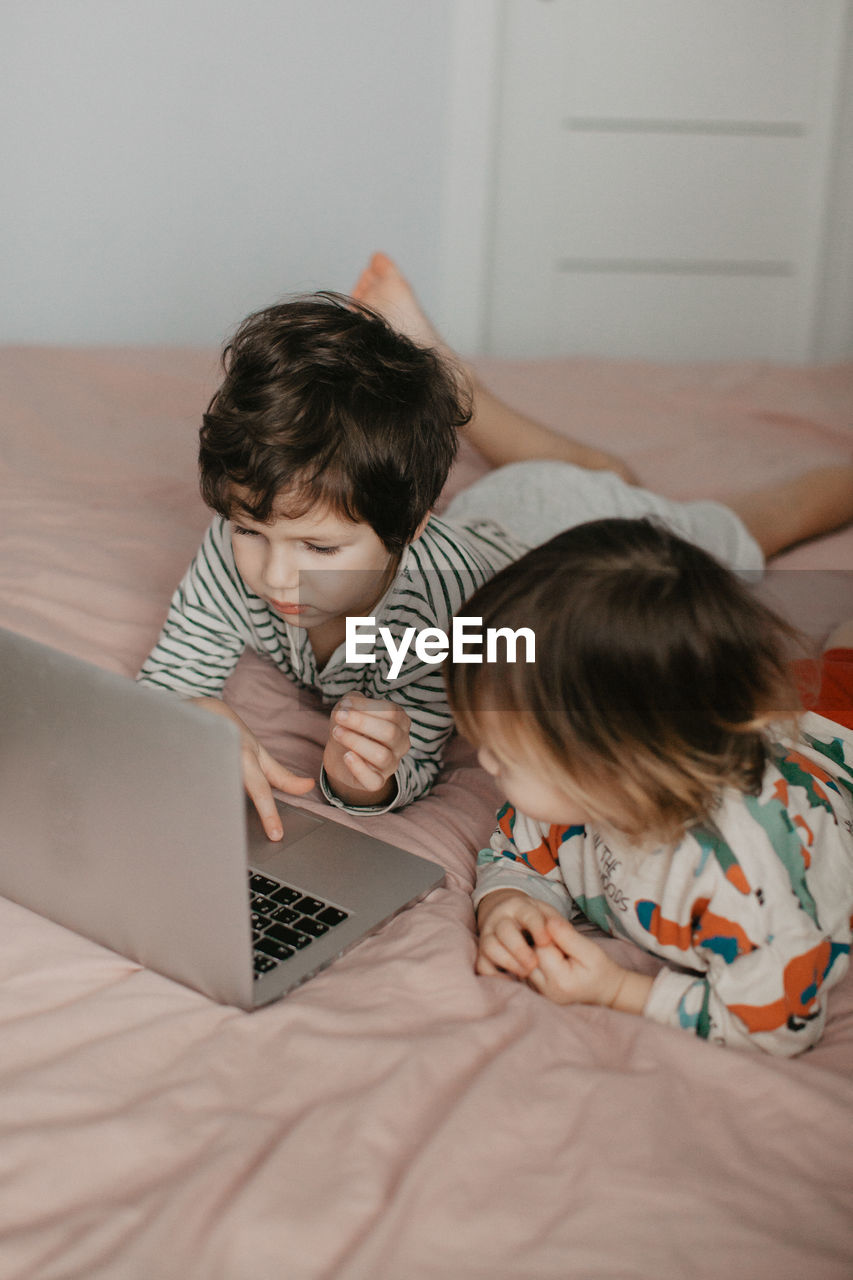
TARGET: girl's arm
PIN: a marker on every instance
(771, 998)
(764, 920)
(522, 857)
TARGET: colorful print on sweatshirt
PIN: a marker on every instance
(752, 916)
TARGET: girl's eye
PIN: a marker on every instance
(322, 551)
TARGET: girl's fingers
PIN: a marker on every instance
(550, 959)
(484, 966)
(535, 921)
(515, 944)
(486, 969)
(567, 938)
(500, 956)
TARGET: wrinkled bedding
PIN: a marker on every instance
(397, 1118)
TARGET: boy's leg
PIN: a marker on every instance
(777, 516)
(535, 500)
(780, 515)
(499, 432)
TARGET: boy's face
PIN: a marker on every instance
(312, 569)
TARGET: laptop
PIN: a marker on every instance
(124, 818)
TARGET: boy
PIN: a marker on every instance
(322, 453)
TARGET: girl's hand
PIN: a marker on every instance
(571, 969)
(511, 925)
(367, 741)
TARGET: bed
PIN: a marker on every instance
(397, 1118)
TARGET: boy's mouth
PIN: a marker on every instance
(283, 606)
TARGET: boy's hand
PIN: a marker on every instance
(572, 969)
(368, 739)
(260, 771)
(513, 926)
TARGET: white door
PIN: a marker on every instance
(663, 176)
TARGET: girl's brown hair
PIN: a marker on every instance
(657, 670)
(324, 402)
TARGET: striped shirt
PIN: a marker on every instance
(213, 617)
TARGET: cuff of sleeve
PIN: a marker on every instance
(367, 809)
(676, 999)
(493, 877)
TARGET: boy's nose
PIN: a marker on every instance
(281, 572)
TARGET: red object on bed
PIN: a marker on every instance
(834, 698)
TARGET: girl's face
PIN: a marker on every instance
(529, 780)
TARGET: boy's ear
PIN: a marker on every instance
(421, 526)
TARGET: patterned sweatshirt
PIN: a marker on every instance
(213, 617)
(751, 914)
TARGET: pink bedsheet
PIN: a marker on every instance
(397, 1118)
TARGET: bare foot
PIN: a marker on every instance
(499, 432)
(383, 287)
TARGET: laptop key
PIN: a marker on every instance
(261, 903)
(263, 964)
(276, 948)
(284, 895)
(285, 915)
(308, 906)
(332, 916)
(261, 884)
(283, 933)
(306, 924)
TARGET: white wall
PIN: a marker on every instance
(166, 166)
(169, 165)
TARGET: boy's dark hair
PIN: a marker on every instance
(325, 403)
(657, 670)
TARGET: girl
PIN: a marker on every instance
(664, 782)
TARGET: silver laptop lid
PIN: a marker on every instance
(124, 819)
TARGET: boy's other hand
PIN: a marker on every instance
(512, 927)
(367, 740)
(260, 771)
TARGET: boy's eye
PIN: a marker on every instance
(323, 551)
(246, 533)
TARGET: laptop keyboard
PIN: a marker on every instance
(285, 920)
